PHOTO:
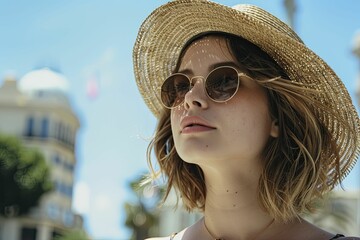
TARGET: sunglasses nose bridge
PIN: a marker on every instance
(194, 80)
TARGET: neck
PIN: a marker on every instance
(232, 210)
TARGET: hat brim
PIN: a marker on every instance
(169, 28)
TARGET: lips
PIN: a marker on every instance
(193, 124)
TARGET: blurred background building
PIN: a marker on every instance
(36, 109)
(339, 213)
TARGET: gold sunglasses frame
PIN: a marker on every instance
(204, 84)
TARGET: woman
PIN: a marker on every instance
(253, 126)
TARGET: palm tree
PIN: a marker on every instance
(290, 12)
(76, 234)
(142, 214)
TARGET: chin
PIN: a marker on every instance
(199, 157)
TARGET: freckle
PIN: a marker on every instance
(234, 205)
(207, 145)
(227, 190)
(235, 192)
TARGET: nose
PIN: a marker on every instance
(196, 97)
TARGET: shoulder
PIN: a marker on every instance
(192, 231)
(306, 230)
(158, 238)
(174, 236)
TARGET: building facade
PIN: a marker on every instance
(339, 213)
(36, 109)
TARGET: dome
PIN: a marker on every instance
(44, 80)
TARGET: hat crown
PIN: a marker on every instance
(267, 19)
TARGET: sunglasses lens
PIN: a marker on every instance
(174, 89)
(222, 83)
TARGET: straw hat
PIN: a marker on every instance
(167, 30)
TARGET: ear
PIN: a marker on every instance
(274, 131)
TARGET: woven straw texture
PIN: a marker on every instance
(167, 30)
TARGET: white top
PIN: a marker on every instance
(178, 236)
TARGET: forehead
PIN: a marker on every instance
(207, 41)
(208, 50)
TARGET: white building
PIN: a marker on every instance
(173, 219)
(36, 109)
(340, 213)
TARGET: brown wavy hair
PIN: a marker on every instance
(295, 164)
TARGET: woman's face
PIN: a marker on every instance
(220, 134)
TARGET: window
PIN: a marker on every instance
(69, 166)
(60, 130)
(53, 211)
(28, 233)
(44, 128)
(68, 218)
(29, 127)
(69, 191)
(56, 235)
(54, 127)
(57, 185)
(64, 189)
(56, 159)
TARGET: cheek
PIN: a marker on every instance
(250, 126)
(175, 116)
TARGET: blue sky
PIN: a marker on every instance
(90, 42)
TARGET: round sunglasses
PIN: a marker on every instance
(221, 84)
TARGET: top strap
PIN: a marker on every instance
(337, 236)
(172, 236)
